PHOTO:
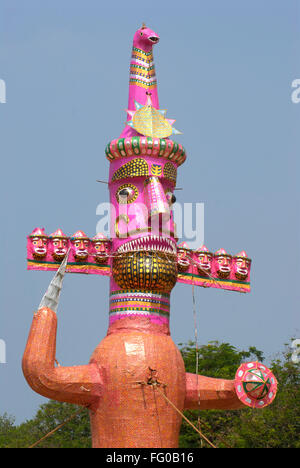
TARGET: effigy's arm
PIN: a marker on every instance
(79, 384)
(209, 393)
(254, 385)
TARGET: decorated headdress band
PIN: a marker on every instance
(145, 146)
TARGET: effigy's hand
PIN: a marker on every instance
(51, 297)
(255, 385)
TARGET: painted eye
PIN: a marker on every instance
(127, 193)
(141, 33)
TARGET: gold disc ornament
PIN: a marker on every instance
(150, 122)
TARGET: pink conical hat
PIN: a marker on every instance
(100, 237)
(80, 235)
(38, 232)
(222, 252)
(58, 233)
(203, 248)
(241, 254)
(183, 245)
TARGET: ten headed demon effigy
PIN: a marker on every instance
(137, 357)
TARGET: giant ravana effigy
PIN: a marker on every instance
(135, 384)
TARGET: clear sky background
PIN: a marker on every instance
(224, 71)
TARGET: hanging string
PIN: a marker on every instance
(197, 370)
(217, 436)
(196, 338)
(197, 356)
(185, 418)
(157, 415)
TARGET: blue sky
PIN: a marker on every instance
(224, 72)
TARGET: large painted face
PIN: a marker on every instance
(241, 266)
(80, 246)
(60, 247)
(142, 226)
(204, 260)
(183, 257)
(145, 38)
(102, 248)
(39, 247)
(223, 263)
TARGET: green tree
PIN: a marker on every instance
(215, 359)
(74, 434)
(7, 427)
(276, 426)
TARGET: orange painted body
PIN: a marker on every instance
(120, 383)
